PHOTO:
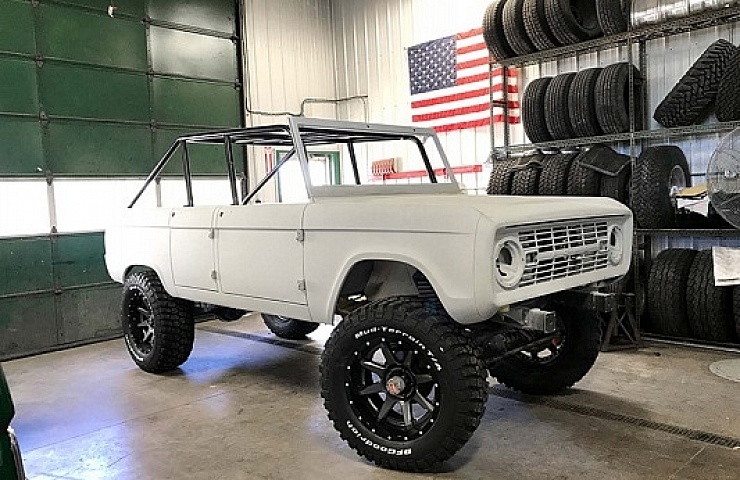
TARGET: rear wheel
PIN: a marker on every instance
(288, 328)
(559, 365)
(402, 384)
(158, 329)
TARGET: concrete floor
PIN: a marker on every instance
(242, 408)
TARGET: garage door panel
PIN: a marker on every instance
(18, 90)
(193, 55)
(129, 7)
(107, 94)
(89, 313)
(94, 38)
(79, 259)
(23, 153)
(215, 15)
(195, 103)
(16, 27)
(85, 148)
(28, 324)
(26, 265)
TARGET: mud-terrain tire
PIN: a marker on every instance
(500, 181)
(563, 366)
(554, 174)
(535, 22)
(568, 27)
(694, 95)
(582, 180)
(656, 169)
(669, 275)
(618, 187)
(728, 95)
(614, 15)
(158, 329)
(524, 181)
(533, 110)
(710, 307)
(612, 99)
(515, 29)
(557, 110)
(493, 31)
(288, 328)
(582, 103)
(433, 365)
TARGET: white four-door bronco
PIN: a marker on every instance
(435, 288)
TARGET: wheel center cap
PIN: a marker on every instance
(395, 385)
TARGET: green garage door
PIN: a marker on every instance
(97, 92)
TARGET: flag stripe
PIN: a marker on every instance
(451, 98)
(472, 63)
(463, 125)
(483, 107)
(472, 79)
(470, 33)
(471, 48)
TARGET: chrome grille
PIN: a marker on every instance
(563, 250)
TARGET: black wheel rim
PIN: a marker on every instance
(393, 388)
(140, 323)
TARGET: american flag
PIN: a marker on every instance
(451, 87)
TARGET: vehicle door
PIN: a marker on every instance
(192, 247)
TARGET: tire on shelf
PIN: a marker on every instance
(709, 306)
(582, 104)
(524, 181)
(421, 358)
(500, 181)
(288, 328)
(667, 281)
(493, 31)
(618, 187)
(736, 310)
(584, 181)
(514, 28)
(158, 329)
(570, 27)
(535, 23)
(694, 95)
(728, 95)
(567, 362)
(658, 172)
(554, 175)
(613, 15)
(557, 109)
(613, 98)
(533, 110)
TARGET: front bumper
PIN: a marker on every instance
(16, 452)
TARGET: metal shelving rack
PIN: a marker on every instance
(626, 318)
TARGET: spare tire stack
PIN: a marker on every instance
(578, 114)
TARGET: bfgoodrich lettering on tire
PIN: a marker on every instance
(402, 384)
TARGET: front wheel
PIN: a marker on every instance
(559, 365)
(158, 329)
(288, 328)
(402, 384)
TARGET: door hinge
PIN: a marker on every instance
(214, 275)
(212, 234)
(300, 235)
(302, 285)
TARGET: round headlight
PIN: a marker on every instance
(616, 245)
(508, 258)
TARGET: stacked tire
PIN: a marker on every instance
(683, 300)
(522, 27)
(589, 103)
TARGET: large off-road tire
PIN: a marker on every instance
(561, 364)
(288, 328)
(524, 181)
(500, 180)
(728, 95)
(493, 31)
(533, 110)
(557, 109)
(710, 307)
(618, 187)
(659, 172)
(736, 310)
(535, 22)
(582, 180)
(398, 345)
(693, 96)
(514, 28)
(582, 103)
(612, 101)
(554, 174)
(613, 15)
(669, 275)
(158, 329)
(572, 21)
